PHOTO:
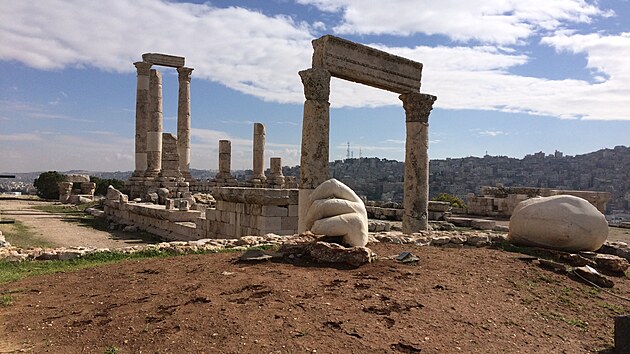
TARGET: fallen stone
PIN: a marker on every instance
(561, 222)
(478, 240)
(555, 267)
(591, 275)
(575, 260)
(130, 228)
(440, 240)
(407, 257)
(611, 263)
(255, 255)
(113, 193)
(334, 253)
(249, 240)
(620, 249)
(481, 224)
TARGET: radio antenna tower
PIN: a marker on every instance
(348, 152)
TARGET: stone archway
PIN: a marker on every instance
(333, 56)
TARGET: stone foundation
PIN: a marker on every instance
(501, 201)
(239, 212)
(252, 211)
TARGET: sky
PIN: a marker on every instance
(511, 77)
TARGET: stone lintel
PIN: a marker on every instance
(262, 196)
(359, 63)
(164, 60)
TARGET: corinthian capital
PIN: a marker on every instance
(417, 106)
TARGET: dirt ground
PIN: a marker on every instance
(62, 230)
(452, 300)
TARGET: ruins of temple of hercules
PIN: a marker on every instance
(161, 186)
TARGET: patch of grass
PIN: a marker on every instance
(6, 300)
(65, 208)
(573, 322)
(111, 350)
(19, 235)
(12, 271)
(617, 310)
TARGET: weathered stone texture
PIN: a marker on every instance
(355, 62)
(164, 59)
(183, 121)
(416, 183)
(259, 153)
(154, 129)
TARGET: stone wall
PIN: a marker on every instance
(169, 224)
(252, 211)
(501, 201)
(239, 212)
(394, 211)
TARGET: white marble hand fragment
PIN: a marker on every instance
(335, 210)
(561, 222)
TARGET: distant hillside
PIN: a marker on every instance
(602, 170)
(381, 179)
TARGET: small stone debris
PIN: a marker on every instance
(555, 267)
(255, 256)
(593, 276)
(407, 257)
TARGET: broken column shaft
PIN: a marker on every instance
(258, 174)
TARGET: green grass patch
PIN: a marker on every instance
(617, 310)
(111, 350)
(6, 300)
(12, 271)
(66, 208)
(560, 317)
(20, 235)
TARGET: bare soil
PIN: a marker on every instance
(63, 230)
(452, 300)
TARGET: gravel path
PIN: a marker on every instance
(60, 230)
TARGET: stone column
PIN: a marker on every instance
(315, 136)
(258, 175)
(276, 178)
(183, 122)
(154, 131)
(142, 118)
(416, 194)
(224, 177)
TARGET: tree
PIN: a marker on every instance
(103, 183)
(47, 184)
(451, 199)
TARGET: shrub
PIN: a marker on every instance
(46, 184)
(103, 183)
(451, 199)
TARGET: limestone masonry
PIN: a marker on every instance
(161, 187)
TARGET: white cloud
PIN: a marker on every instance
(242, 49)
(261, 55)
(492, 133)
(34, 111)
(487, 21)
(20, 137)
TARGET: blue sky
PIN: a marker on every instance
(511, 77)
